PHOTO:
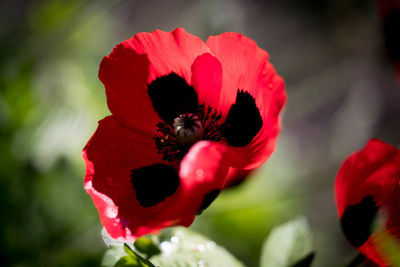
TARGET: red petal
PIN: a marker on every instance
(393, 207)
(372, 171)
(138, 61)
(124, 74)
(110, 155)
(371, 248)
(246, 67)
(202, 170)
(207, 79)
(169, 51)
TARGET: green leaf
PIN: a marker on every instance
(178, 247)
(112, 255)
(119, 256)
(288, 245)
(182, 247)
(133, 259)
(147, 245)
(128, 261)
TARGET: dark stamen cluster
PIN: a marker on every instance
(167, 144)
(210, 120)
(171, 149)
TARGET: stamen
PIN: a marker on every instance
(210, 118)
(188, 129)
(167, 144)
(173, 142)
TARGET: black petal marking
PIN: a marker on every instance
(243, 121)
(208, 199)
(154, 183)
(391, 28)
(357, 221)
(172, 96)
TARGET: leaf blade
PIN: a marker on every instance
(287, 244)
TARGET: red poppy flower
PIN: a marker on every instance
(184, 114)
(368, 184)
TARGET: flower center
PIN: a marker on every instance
(174, 141)
(188, 129)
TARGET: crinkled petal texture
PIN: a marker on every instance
(367, 184)
(246, 68)
(154, 77)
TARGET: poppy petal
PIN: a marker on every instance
(367, 181)
(393, 207)
(202, 175)
(137, 62)
(169, 52)
(246, 71)
(202, 172)
(207, 79)
(115, 156)
(371, 248)
(373, 171)
(124, 74)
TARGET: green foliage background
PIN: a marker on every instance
(341, 92)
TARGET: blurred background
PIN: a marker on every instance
(341, 86)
